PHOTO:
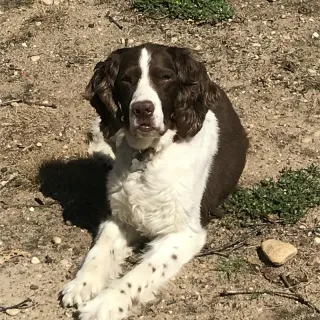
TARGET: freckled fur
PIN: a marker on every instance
(199, 153)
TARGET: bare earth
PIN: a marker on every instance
(267, 59)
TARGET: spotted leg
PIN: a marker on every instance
(102, 263)
(165, 258)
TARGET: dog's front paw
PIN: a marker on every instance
(82, 288)
(110, 304)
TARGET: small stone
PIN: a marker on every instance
(35, 260)
(65, 263)
(256, 45)
(174, 40)
(317, 240)
(122, 40)
(24, 45)
(306, 140)
(38, 23)
(12, 312)
(31, 209)
(198, 47)
(34, 287)
(91, 25)
(35, 58)
(56, 240)
(39, 144)
(315, 35)
(278, 252)
(68, 223)
(312, 72)
(65, 147)
(130, 41)
(14, 104)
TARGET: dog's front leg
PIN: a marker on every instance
(103, 262)
(164, 259)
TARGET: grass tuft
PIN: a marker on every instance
(205, 11)
(288, 198)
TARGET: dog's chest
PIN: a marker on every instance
(149, 195)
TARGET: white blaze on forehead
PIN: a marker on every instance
(145, 91)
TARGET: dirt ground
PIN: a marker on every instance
(267, 59)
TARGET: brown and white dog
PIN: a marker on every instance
(179, 151)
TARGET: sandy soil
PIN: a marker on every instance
(267, 59)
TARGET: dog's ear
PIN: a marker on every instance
(195, 93)
(99, 92)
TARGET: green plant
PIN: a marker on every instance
(206, 11)
(232, 265)
(288, 198)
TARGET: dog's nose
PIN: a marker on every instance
(143, 109)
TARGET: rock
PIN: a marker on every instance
(14, 104)
(306, 140)
(278, 252)
(39, 144)
(12, 312)
(38, 23)
(174, 40)
(317, 134)
(69, 223)
(35, 260)
(315, 35)
(65, 263)
(317, 240)
(34, 287)
(35, 58)
(56, 240)
(31, 209)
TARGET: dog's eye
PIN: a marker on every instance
(165, 77)
(126, 79)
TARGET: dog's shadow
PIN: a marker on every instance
(80, 188)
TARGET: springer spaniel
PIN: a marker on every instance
(178, 150)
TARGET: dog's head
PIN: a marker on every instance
(152, 88)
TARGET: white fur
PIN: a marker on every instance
(145, 91)
(158, 198)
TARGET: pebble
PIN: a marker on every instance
(56, 240)
(312, 72)
(35, 58)
(306, 140)
(35, 260)
(198, 47)
(24, 45)
(68, 223)
(174, 40)
(317, 240)
(278, 252)
(34, 287)
(130, 41)
(31, 209)
(38, 23)
(39, 144)
(315, 35)
(12, 312)
(14, 104)
(65, 263)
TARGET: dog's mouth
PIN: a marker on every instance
(145, 127)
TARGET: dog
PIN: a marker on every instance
(177, 149)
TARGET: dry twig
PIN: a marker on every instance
(11, 178)
(112, 20)
(300, 298)
(29, 102)
(232, 246)
(289, 295)
(25, 304)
